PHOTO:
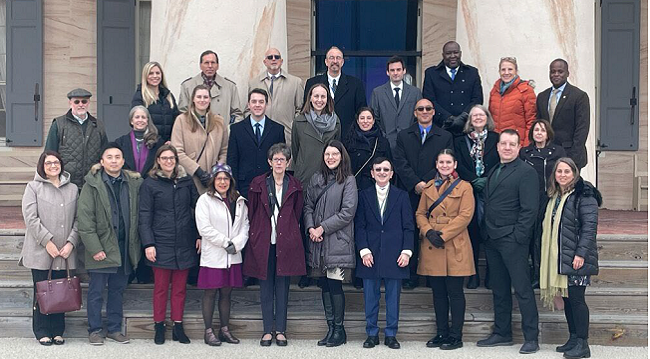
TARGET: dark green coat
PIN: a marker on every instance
(94, 220)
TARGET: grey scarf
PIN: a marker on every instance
(322, 123)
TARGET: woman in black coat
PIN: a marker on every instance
(154, 94)
(476, 153)
(542, 154)
(364, 143)
(140, 145)
(569, 251)
(169, 236)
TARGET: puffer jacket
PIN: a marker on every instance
(515, 109)
(578, 226)
(163, 113)
(167, 220)
(334, 211)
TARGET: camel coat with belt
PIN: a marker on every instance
(450, 217)
(189, 144)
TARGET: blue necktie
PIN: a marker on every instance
(453, 74)
(258, 132)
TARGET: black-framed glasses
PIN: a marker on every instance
(424, 108)
(53, 164)
(279, 160)
(167, 159)
(273, 57)
(76, 102)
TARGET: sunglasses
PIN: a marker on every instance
(76, 102)
(273, 57)
(424, 108)
(381, 169)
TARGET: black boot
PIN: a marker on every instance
(580, 350)
(329, 316)
(159, 337)
(568, 345)
(304, 282)
(473, 281)
(338, 336)
(178, 334)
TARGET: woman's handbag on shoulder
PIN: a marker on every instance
(58, 295)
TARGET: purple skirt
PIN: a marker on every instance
(214, 278)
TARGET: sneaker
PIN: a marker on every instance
(96, 338)
(118, 337)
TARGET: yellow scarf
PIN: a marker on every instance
(551, 283)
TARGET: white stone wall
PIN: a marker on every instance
(535, 32)
(239, 31)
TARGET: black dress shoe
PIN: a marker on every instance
(281, 342)
(304, 282)
(473, 282)
(436, 341)
(250, 281)
(495, 340)
(265, 342)
(529, 347)
(371, 341)
(358, 283)
(391, 342)
(451, 344)
(410, 284)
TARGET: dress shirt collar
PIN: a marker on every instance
(262, 122)
(400, 86)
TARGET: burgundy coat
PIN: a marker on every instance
(290, 252)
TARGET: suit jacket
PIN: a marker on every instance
(570, 121)
(466, 168)
(511, 202)
(451, 98)
(224, 98)
(350, 96)
(385, 239)
(247, 158)
(414, 161)
(388, 115)
(286, 101)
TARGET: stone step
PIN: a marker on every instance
(11, 200)
(13, 187)
(17, 173)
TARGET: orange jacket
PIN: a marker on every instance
(516, 109)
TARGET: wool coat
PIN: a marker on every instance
(126, 145)
(307, 148)
(167, 220)
(335, 213)
(451, 217)
(163, 112)
(515, 109)
(290, 253)
(50, 215)
(189, 145)
(385, 236)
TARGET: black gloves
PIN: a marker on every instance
(455, 124)
(435, 239)
(479, 183)
(231, 248)
(203, 176)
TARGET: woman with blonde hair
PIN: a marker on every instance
(154, 94)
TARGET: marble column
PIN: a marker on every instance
(240, 32)
(535, 32)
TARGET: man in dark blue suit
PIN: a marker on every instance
(348, 91)
(453, 87)
(384, 236)
(250, 141)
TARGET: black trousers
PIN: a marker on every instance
(449, 291)
(274, 290)
(577, 312)
(508, 262)
(413, 263)
(46, 325)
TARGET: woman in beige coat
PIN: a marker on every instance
(445, 249)
(49, 208)
(200, 137)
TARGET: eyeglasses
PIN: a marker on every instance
(222, 179)
(76, 102)
(273, 57)
(333, 155)
(279, 160)
(335, 58)
(52, 164)
(168, 159)
(424, 108)
(381, 169)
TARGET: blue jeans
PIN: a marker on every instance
(116, 284)
(371, 295)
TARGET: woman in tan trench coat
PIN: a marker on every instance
(445, 248)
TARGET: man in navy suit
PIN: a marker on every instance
(250, 141)
(453, 87)
(566, 107)
(348, 91)
(384, 231)
(394, 101)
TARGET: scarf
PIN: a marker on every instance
(551, 283)
(140, 152)
(476, 152)
(208, 81)
(439, 180)
(322, 123)
(503, 86)
(382, 198)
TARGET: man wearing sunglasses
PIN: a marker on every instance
(415, 163)
(284, 90)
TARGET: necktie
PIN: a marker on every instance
(258, 132)
(497, 172)
(271, 86)
(453, 74)
(553, 104)
(424, 136)
(397, 96)
(333, 87)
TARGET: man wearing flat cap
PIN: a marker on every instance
(77, 136)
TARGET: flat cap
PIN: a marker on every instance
(79, 92)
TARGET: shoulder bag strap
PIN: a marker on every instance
(369, 158)
(443, 196)
(323, 192)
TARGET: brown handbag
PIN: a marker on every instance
(58, 295)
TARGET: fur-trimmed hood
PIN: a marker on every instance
(181, 172)
(586, 189)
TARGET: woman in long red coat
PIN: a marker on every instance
(275, 252)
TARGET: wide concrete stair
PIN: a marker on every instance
(16, 169)
(618, 302)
